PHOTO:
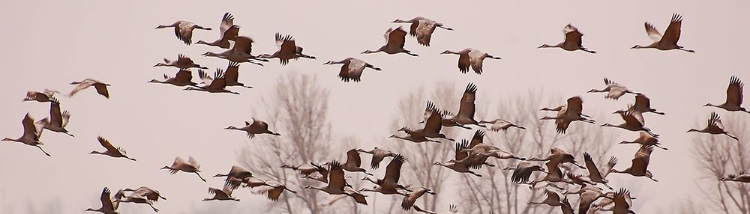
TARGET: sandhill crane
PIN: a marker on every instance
(478, 146)
(100, 87)
(633, 121)
(416, 136)
(190, 166)
(107, 206)
(352, 68)
(354, 162)
(392, 174)
(500, 124)
(670, 38)
(384, 191)
(273, 190)
(609, 202)
(587, 198)
(57, 121)
(558, 156)
(596, 175)
(467, 107)
(422, 28)
(241, 52)
(446, 122)
(112, 151)
(622, 204)
(184, 30)
(475, 160)
(552, 199)
(734, 96)
(409, 200)
(643, 105)
(224, 194)
(460, 166)
(336, 184)
(434, 124)
(585, 184)
(572, 41)
(394, 43)
(41, 97)
(715, 126)
(227, 32)
(254, 128)
(565, 207)
(182, 62)
(183, 78)
(470, 57)
(377, 156)
(307, 170)
(236, 172)
(31, 134)
(742, 177)
(217, 84)
(613, 89)
(232, 75)
(288, 49)
(567, 114)
(646, 139)
(522, 171)
(639, 167)
(142, 195)
(554, 175)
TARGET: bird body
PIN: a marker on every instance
(572, 41)
(254, 128)
(422, 28)
(734, 96)
(218, 84)
(184, 30)
(31, 134)
(57, 120)
(107, 206)
(111, 151)
(394, 43)
(670, 38)
(714, 127)
(227, 31)
(352, 68)
(288, 50)
(470, 57)
(44, 96)
(613, 89)
(183, 62)
(100, 87)
(191, 166)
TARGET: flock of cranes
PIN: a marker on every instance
(470, 154)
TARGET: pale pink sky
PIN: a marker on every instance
(48, 44)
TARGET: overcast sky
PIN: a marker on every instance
(48, 44)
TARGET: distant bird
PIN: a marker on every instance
(392, 174)
(354, 162)
(552, 199)
(614, 90)
(639, 167)
(714, 127)
(408, 201)
(500, 124)
(254, 128)
(422, 28)
(112, 151)
(241, 52)
(416, 136)
(394, 43)
(643, 104)
(191, 166)
(107, 206)
(273, 190)
(308, 170)
(572, 41)
(236, 172)
(183, 77)
(470, 57)
(596, 175)
(183, 62)
(224, 194)
(31, 134)
(567, 114)
(57, 121)
(232, 75)
(288, 49)
(227, 32)
(377, 156)
(587, 198)
(352, 68)
(336, 184)
(565, 207)
(633, 121)
(645, 139)
(461, 166)
(743, 177)
(41, 97)
(522, 172)
(558, 156)
(622, 204)
(478, 146)
(447, 120)
(142, 195)
(670, 38)
(434, 125)
(100, 87)
(184, 30)
(554, 175)
(467, 107)
(609, 201)
(218, 84)
(734, 96)
(474, 160)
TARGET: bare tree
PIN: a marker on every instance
(718, 156)
(494, 191)
(298, 110)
